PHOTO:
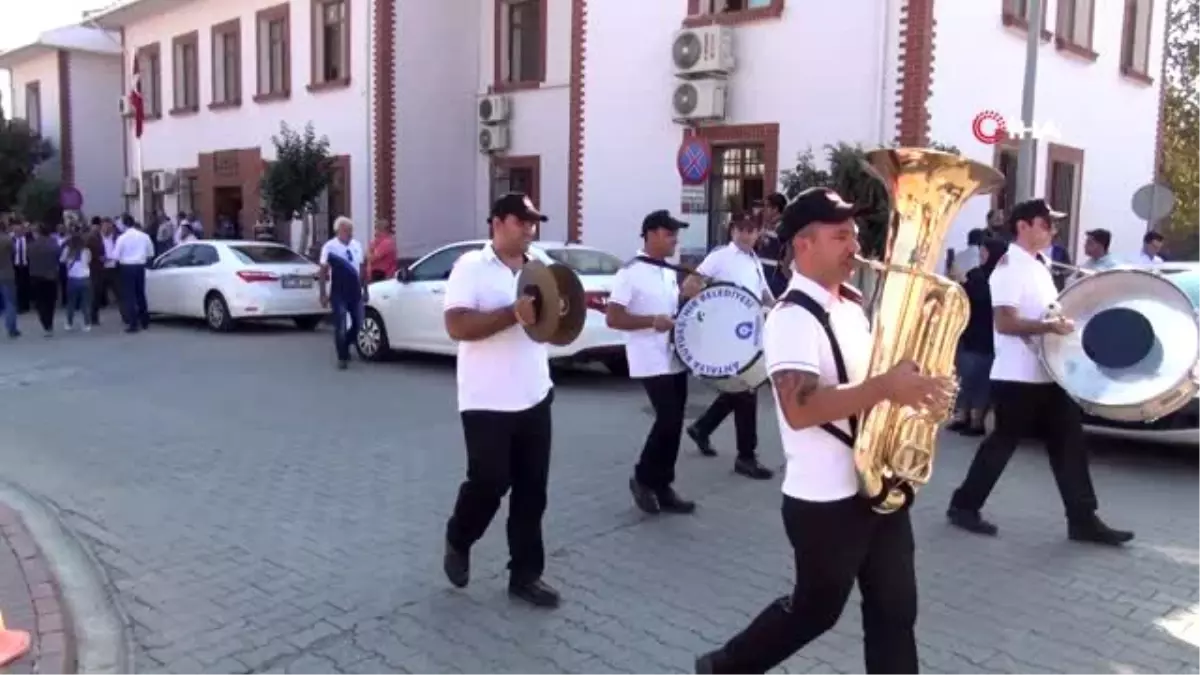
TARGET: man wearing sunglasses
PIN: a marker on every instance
(1026, 400)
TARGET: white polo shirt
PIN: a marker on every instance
(648, 290)
(1023, 282)
(507, 372)
(820, 468)
(133, 247)
(351, 252)
(732, 264)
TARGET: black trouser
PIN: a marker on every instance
(744, 406)
(62, 282)
(506, 450)
(104, 284)
(45, 294)
(835, 544)
(1024, 409)
(668, 396)
(24, 289)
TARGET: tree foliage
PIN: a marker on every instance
(846, 171)
(21, 152)
(1181, 120)
(302, 170)
(40, 201)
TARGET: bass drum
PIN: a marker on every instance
(1133, 354)
(718, 338)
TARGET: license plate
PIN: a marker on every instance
(297, 282)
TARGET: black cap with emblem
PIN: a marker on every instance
(815, 205)
(517, 204)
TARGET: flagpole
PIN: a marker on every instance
(137, 161)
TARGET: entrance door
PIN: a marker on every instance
(738, 181)
(229, 206)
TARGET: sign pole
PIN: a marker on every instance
(1027, 155)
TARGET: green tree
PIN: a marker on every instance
(1181, 120)
(302, 170)
(39, 201)
(849, 175)
(21, 152)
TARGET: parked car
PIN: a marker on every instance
(405, 313)
(227, 282)
(1183, 426)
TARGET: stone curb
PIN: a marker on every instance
(53, 648)
(91, 629)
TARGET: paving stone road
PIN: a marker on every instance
(257, 510)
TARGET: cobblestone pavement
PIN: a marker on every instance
(248, 523)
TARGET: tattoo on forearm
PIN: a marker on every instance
(795, 385)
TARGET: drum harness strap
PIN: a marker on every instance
(802, 299)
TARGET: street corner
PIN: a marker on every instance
(31, 601)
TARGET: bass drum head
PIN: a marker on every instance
(1136, 341)
(718, 332)
(753, 378)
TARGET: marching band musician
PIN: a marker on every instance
(643, 303)
(734, 263)
(1024, 396)
(504, 397)
(817, 342)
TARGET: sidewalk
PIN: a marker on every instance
(29, 600)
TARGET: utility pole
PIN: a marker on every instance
(1027, 153)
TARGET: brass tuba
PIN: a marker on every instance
(917, 315)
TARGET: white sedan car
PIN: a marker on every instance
(226, 282)
(405, 313)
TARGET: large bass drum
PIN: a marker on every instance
(718, 338)
(1133, 355)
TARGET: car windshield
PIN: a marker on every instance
(586, 260)
(267, 255)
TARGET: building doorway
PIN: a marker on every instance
(228, 202)
(738, 180)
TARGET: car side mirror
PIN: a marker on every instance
(404, 275)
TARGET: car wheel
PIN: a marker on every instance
(307, 322)
(216, 313)
(372, 342)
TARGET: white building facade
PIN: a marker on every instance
(588, 125)
(218, 77)
(63, 85)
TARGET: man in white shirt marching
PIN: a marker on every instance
(504, 398)
(1152, 245)
(1026, 400)
(818, 349)
(132, 251)
(735, 263)
(643, 303)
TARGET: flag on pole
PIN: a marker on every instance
(136, 100)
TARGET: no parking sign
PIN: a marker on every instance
(694, 161)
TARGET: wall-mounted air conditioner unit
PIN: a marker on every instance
(705, 51)
(125, 107)
(162, 181)
(131, 187)
(494, 109)
(493, 138)
(699, 101)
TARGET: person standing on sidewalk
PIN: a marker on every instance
(78, 259)
(344, 269)
(504, 399)
(737, 264)
(8, 280)
(43, 276)
(133, 250)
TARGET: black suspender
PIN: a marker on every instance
(801, 299)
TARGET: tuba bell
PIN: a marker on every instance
(917, 315)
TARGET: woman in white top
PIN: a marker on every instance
(78, 259)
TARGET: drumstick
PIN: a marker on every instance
(678, 268)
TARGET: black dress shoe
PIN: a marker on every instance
(670, 502)
(1095, 531)
(644, 497)
(701, 442)
(535, 592)
(457, 565)
(971, 521)
(957, 425)
(750, 468)
(973, 431)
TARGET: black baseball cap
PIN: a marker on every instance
(1102, 237)
(517, 204)
(1033, 208)
(814, 205)
(661, 220)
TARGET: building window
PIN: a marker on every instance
(1075, 19)
(331, 44)
(1135, 40)
(1006, 164)
(185, 64)
(33, 106)
(1016, 14)
(1064, 173)
(150, 71)
(332, 203)
(737, 182)
(517, 174)
(704, 12)
(520, 42)
(227, 64)
(274, 53)
(189, 194)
